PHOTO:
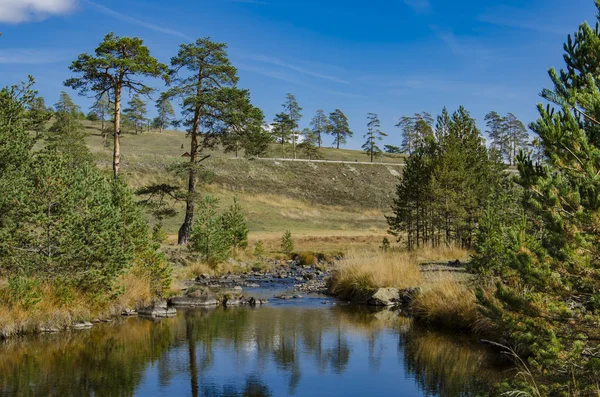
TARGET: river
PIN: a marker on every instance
(299, 348)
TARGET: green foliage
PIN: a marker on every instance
(339, 127)
(416, 131)
(306, 259)
(287, 243)
(373, 135)
(508, 135)
(447, 183)
(385, 244)
(67, 136)
(136, 113)
(309, 146)
(392, 149)
(204, 80)
(209, 236)
(548, 274)
(256, 142)
(245, 125)
(319, 126)
(158, 234)
(117, 64)
(283, 128)
(259, 249)
(166, 113)
(234, 223)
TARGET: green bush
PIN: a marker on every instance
(287, 244)
(259, 249)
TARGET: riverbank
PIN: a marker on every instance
(432, 285)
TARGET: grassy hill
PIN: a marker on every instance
(323, 204)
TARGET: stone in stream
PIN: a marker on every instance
(158, 309)
(82, 325)
(283, 297)
(129, 313)
(385, 297)
(252, 285)
(195, 298)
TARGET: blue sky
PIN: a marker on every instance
(392, 57)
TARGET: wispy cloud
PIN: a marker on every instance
(17, 11)
(32, 56)
(464, 46)
(144, 24)
(298, 69)
(419, 6)
(513, 17)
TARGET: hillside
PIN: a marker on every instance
(312, 199)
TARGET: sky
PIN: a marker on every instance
(390, 57)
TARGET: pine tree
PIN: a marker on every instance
(495, 124)
(166, 113)
(245, 123)
(67, 136)
(204, 80)
(373, 135)
(293, 110)
(407, 125)
(309, 145)
(38, 115)
(117, 64)
(392, 149)
(136, 112)
(320, 126)
(282, 129)
(256, 142)
(101, 108)
(415, 130)
(546, 298)
(287, 243)
(208, 236)
(234, 223)
(516, 137)
(339, 127)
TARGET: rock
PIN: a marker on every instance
(49, 330)
(232, 301)
(297, 296)
(284, 297)
(309, 276)
(256, 302)
(385, 297)
(252, 285)
(195, 298)
(299, 278)
(237, 288)
(158, 309)
(82, 325)
(129, 312)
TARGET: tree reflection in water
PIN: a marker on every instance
(247, 352)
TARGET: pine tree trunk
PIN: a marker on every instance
(186, 228)
(338, 140)
(117, 133)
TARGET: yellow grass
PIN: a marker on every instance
(363, 271)
(54, 312)
(447, 302)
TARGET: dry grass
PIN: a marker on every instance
(363, 271)
(448, 303)
(54, 311)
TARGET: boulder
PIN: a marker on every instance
(82, 325)
(129, 312)
(158, 309)
(406, 296)
(385, 297)
(195, 298)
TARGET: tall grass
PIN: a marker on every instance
(363, 271)
(447, 303)
(46, 305)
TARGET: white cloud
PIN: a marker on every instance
(419, 6)
(16, 11)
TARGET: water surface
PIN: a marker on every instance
(285, 350)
